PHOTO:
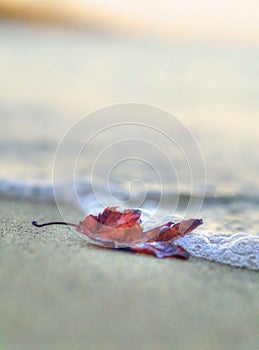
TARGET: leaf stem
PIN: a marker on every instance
(35, 223)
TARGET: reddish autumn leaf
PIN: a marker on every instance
(162, 249)
(115, 229)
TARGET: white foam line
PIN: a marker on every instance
(240, 249)
(26, 190)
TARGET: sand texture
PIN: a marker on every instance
(57, 292)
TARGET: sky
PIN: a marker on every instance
(216, 17)
(233, 20)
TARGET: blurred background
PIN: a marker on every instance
(61, 59)
(197, 60)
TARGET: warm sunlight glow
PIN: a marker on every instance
(234, 20)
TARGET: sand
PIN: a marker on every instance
(57, 292)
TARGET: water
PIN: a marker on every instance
(51, 78)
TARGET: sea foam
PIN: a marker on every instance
(236, 249)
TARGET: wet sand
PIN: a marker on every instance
(57, 292)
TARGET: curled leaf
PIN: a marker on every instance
(115, 229)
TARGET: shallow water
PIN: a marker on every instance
(51, 78)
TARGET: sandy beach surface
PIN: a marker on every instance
(57, 292)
